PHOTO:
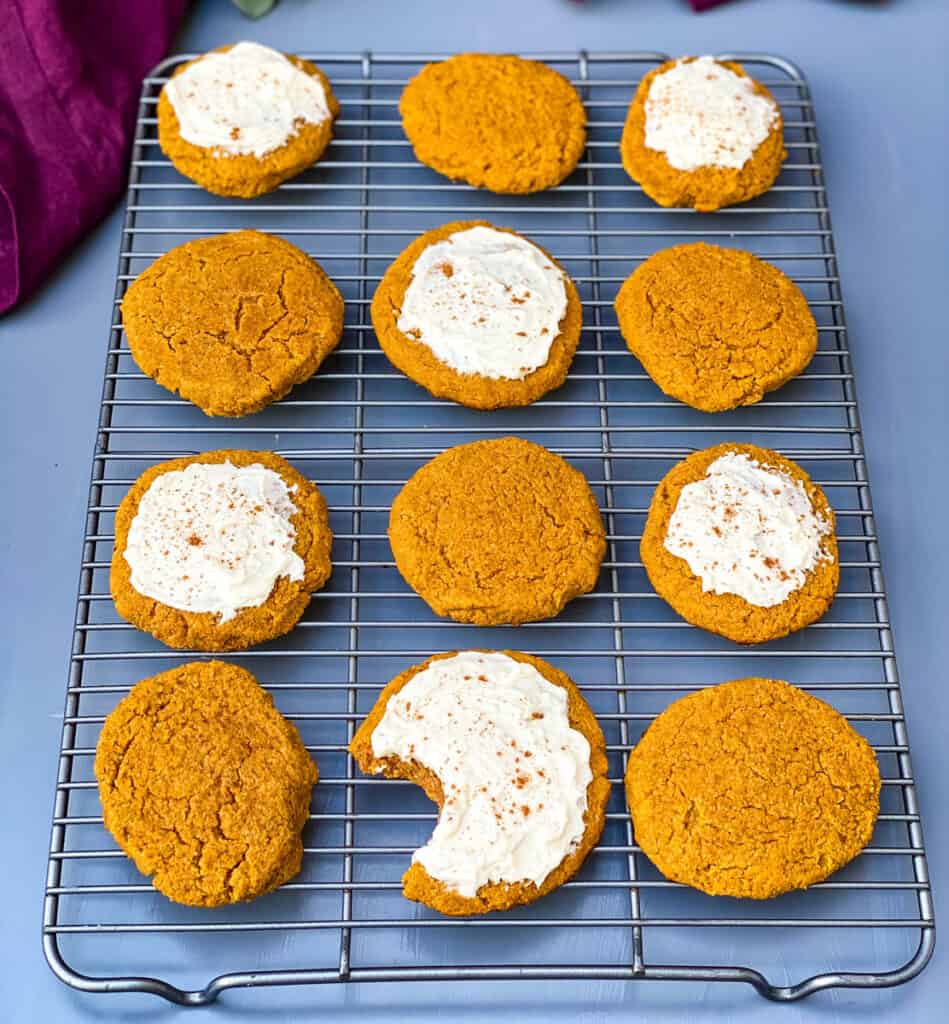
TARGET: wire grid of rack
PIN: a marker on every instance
(360, 429)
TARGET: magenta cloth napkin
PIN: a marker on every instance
(70, 75)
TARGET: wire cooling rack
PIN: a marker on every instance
(360, 429)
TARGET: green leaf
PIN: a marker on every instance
(255, 8)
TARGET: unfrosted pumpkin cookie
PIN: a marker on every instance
(479, 315)
(510, 751)
(205, 785)
(495, 121)
(740, 541)
(232, 322)
(715, 328)
(497, 532)
(702, 133)
(219, 551)
(751, 789)
(242, 119)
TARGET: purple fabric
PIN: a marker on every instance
(704, 5)
(70, 75)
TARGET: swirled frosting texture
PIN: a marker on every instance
(248, 100)
(747, 530)
(513, 771)
(701, 114)
(213, 537)
(485, 302)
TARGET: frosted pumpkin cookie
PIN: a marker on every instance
(495, 121)
(205, 785)
(232, 322)
(244, 118)
(479, 315)
(497, 532)
(702, 133)
(509, 750)
(219, 551)
(752, 788)
(715, 328)
(741, 542)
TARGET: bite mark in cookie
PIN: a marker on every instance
(506, 746)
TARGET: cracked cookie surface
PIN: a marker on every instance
(232, 322)
(730, 615)
(205, 785)
(418, 362)
(499, 531)
(203, 630)
(715, 328)
(706, 188)
(495, 121)
(752, 788)
(246, 176)
(417, 883)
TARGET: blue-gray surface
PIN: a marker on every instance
(878, 77)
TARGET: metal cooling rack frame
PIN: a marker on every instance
(360, 429)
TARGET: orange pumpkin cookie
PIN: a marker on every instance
(752, 788)
(495, 121)
(509, 750)
(479, 315)
(232, 322)
(740, 542)
(205, 785)
(715, 328)
(497, 532)
(242, 119)
(702, 133)
(219, 551)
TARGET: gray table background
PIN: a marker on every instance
(879, 80)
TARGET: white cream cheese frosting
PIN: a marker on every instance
(213, 538)
(747, 529)
(485, 302)
(513, 771)
(701, 114)
(249, 100)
